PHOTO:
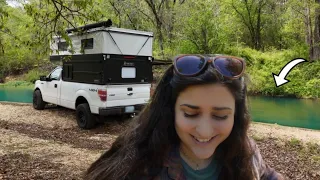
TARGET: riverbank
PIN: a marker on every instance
(17, 84)
(48, 144)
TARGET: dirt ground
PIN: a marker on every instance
(49, 145)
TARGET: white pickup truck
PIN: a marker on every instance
(89, 100)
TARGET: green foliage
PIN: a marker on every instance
(34, 75)
(185, 27)
(304, 78)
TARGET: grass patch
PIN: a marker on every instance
(17, 84)
(316, 158)
(313, 148)
(293, 142)
(26, 80)
(257, 138)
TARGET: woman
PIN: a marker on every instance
(195, 127)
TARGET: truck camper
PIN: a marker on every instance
(104, 71)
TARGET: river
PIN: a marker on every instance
(292, 112)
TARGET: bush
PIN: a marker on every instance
(34, 75)
(304, 78)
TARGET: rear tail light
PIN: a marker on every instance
(129, 57)
(102, 94)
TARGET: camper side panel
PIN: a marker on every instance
(84, 69)
(90, 43)
(127, 43)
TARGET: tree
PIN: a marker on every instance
(52, 17)
(203, 30)
(3, 29)
(163, 15)
(250, 12)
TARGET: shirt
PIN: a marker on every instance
(173, 168)
(209, 173)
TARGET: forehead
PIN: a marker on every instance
(211, 95)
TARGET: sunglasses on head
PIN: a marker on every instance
(192, 65)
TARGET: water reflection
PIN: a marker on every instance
(286, 111)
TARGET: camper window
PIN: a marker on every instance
(87, 43)
(67, 72)
(128, 72)
(62, 46)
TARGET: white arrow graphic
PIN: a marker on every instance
(280, 79)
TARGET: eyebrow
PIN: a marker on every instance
(215, 108)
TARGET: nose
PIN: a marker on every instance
(205, 128)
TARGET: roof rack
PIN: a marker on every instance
(107, 23)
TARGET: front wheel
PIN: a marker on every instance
(38, 102)
(85, 119)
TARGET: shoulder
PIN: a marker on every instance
(262, 170)
(171, 168)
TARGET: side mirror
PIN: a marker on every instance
(44, 78)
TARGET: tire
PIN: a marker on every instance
(85, 119)
(37, 100)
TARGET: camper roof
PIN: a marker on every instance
(103, 26)
(114, 29)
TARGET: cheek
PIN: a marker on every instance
(183, 125)
(225, 127)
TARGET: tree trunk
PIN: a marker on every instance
(308, 25)
(258, 31)
(158, 18)
(316, 42)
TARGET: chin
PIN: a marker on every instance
(203, 153)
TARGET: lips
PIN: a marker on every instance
(203, 141)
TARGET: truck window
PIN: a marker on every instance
(55, 75)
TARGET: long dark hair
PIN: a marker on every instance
(147, 141)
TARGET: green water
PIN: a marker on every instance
(284, 111)
(293, 112)
(13, 94)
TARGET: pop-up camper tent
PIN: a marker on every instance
(105, 55)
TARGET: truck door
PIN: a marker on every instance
(51, 87)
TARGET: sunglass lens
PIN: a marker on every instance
(228, 66)
(190, 65)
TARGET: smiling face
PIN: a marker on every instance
(204, 117)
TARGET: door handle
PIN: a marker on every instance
(130, 94)
(55, 85)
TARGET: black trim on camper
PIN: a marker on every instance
(122, 32)
(107, 23)
(106, 69)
